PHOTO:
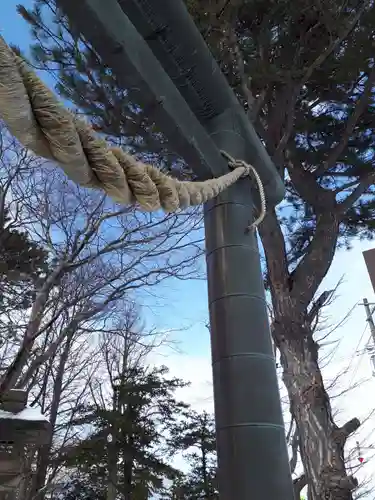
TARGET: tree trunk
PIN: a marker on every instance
(206, 487)
(128, 472)
(128, 454)
(37, 492)
(112, 468)
(112, 450)
(321, 440)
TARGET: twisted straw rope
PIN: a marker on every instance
(40, 122)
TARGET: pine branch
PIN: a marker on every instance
(360, 107)
(334, 45)
(357, 193)
(318, 258)
(240, 65)
(276, 255)
(307, 187)
(295, 448)
(299, 484)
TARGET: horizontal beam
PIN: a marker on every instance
(123, 49)
(177, 43)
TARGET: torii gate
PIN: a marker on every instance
(155, 46)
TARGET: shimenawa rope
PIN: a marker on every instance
(38, 120)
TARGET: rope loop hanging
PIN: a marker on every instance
(250, 170)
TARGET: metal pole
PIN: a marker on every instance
(370, 319)
(252, 452)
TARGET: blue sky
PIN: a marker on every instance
(184, 304)
(12, 26)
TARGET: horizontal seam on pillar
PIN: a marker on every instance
(228, 295)
(225, 130)
(253, 424)
(247, 206)
(229, 246)
(268, 357)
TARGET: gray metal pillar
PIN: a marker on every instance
(252, 452)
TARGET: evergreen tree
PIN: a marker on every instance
(305, 74)
(82, 488)
(195, 436)
(22, 262)
(125, 447)
(19, 255)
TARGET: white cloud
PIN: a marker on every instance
(193, 369)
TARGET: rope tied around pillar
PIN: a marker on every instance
(248, 171)
(40, 122)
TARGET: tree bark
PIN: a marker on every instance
(321, 440)
(206, 487)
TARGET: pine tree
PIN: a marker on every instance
(22, 262)
(305, 75)
(195, 436)
(126, 445)
(19, 255)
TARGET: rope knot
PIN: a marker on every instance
(241, 164)
(248, 170)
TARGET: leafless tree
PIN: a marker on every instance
(102, 260)
(339, 383)
(98, 254)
